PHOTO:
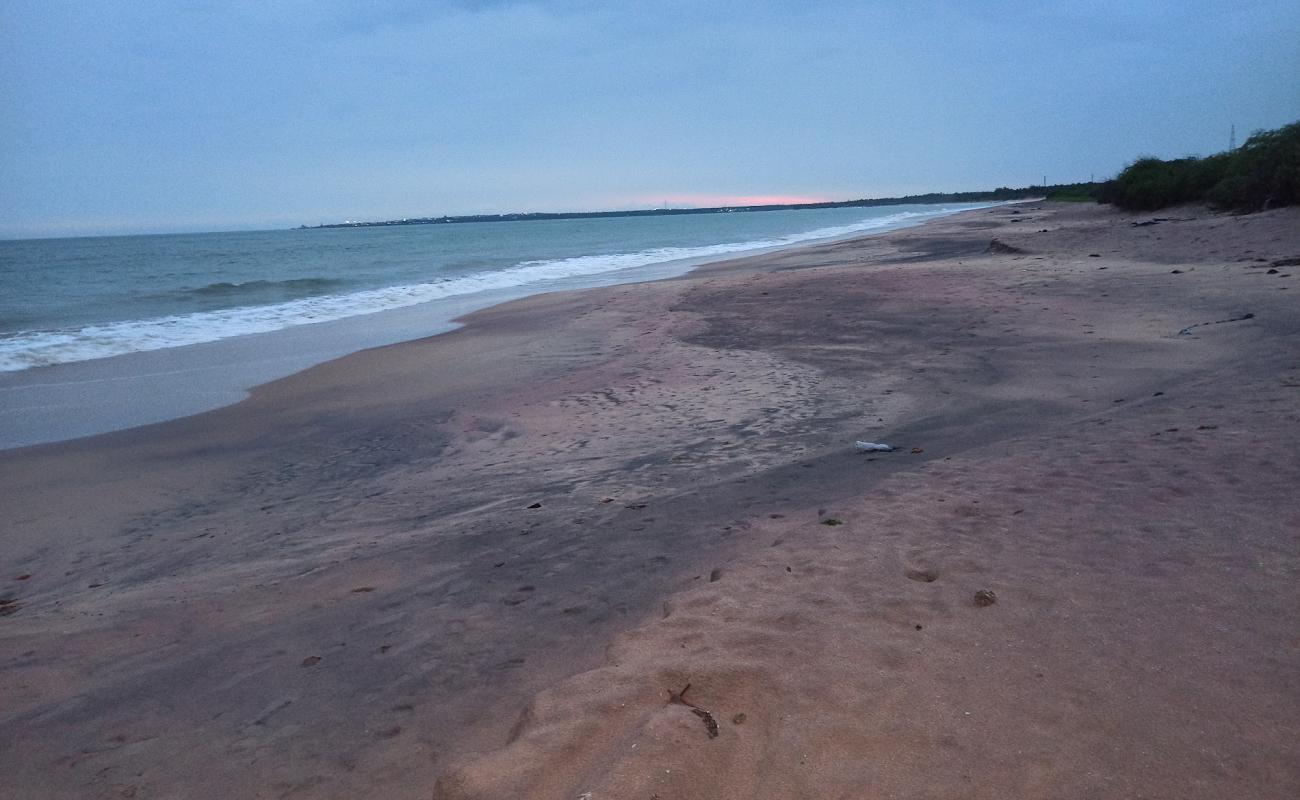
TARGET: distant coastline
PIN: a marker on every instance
(1070, 191)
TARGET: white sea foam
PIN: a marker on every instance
(26, 349)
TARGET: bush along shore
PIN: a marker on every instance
(1263, 173)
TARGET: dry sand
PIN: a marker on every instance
(338, 588)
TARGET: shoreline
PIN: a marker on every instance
(481, 561)
(146, 387)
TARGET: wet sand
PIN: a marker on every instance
(478, 565)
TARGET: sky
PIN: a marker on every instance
(130, 117)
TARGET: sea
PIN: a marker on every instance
(103, 333)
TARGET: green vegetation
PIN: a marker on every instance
(1077, 192)
(1074, 192)
(1262, 173)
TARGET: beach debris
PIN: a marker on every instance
(985, 597)
(832, 521)
(872, 447)
(1271, 272)
(916, 450)
(9, 605)
(635, 506)
(715, 574)
(23, 577)
(710, 724)
(534, 505)
(311, 661)
(1175, 272)
(998, 246)
(1188, 330)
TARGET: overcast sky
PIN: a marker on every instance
(150, 116)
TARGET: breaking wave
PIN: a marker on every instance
(26, 349)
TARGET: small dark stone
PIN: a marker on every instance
(1271, 272)
(534, 505)
(985, 597)
(715, 574)
(311, 661)
(739, 719)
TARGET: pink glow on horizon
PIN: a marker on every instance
(722, 200)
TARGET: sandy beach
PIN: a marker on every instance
(486, 564)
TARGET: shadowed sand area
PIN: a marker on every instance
(479, 565)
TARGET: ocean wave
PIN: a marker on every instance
(225, 289)
(27, 349)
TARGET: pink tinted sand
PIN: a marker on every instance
(341, 587)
